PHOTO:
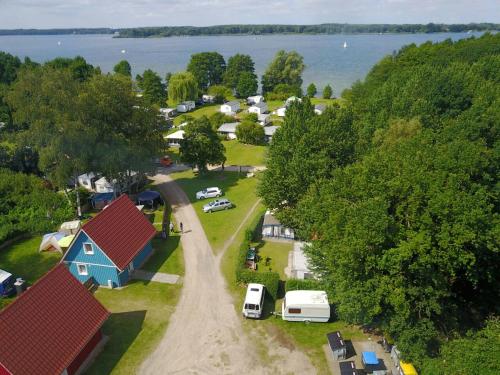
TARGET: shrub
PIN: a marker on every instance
(250, 133)
(327, 92)
(283, 92)
(309, 284)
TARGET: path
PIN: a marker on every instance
(159, 277)
(205, 335)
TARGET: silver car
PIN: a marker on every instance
(217, 205)
(211, 192)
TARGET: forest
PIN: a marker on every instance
(397, 194)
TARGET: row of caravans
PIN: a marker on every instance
(298, 305)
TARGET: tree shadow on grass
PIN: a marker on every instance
(163, 250)
(122, 329)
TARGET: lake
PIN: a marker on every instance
(326, 58)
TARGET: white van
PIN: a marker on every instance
(305, 306)
(254, 301)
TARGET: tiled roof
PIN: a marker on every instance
(121, 231)
(48, 325)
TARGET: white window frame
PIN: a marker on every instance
(82, 273)
(91, 252)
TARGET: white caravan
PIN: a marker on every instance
(305, 306)
(254, 301)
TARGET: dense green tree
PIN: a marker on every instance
(236, 65)
(208, 69)
(8, 68)
(247, 85)
(311, 90)
(286, 68)
(182, 86)
(27, 205)
(123, 67)
(152, 88)
(221, 93)
(78, 66)
(284, 91)
(219, 118)
(327, 92)
(250, 132)
(201, 145)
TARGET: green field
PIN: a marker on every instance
(277, 252)
(240, 190)
(238, 153)
(140, 313)
(206, 110)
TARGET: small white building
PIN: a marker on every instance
(208, 98)
(168, 113)
(186, 106)
(264, 119)
(292, 99)
(230, 108)
(258, 108)
(319, 109)
(251, 100)
(269, 132)
(70, 227)
(87, 180)
(102, 185)
(281, 112)
(228, 130)
(175, 138)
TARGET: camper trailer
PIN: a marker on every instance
(254, 301)
(305, 306)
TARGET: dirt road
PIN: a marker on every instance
(205, 335)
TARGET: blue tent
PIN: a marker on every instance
(369, 358)
(149, 197)
(100, 200)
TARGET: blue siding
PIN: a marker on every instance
(143, 255)
(99, 273)
(124, 277)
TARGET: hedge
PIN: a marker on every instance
(308, 284)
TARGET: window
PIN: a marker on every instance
(294, 310)
(82, 269)
(88, 249)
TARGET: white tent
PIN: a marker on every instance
(51, 241)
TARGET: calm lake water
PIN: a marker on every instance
(326, 59)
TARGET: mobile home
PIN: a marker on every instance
(254, 301)
(305, 306)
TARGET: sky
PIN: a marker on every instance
(134, 13)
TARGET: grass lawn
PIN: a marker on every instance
(23, 259)
(140, 315)
(206, 110)
(277, 252)
(238, 153)
(240, 190)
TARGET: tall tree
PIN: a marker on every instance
(327, 92)
(208, 68)
(124, 68)
(153, 88)
(247, 85)
(311, 90)
(287, 68)
(250, 132)
(182, 86)
(8, 68)
(201, 145)
(236, 65)
(78, 66)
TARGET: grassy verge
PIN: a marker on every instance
(140, 315)
(22, 259)
(240, 190)
(238, 153)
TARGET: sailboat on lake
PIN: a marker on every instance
(345, 44)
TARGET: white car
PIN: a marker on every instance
(211, 192)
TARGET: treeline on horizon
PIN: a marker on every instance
(328, 28)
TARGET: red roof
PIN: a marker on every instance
(121, 231)
(44, 329)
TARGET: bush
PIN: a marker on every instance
(327, 92)
(283, 92)
(309, 284)
(250, 133)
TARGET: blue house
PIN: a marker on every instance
(112, 245)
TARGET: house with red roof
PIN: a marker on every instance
(53, 328)
(112, 245)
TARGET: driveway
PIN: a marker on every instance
(205, 335)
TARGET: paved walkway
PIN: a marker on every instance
(159, 277)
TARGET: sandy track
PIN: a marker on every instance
(205, 335)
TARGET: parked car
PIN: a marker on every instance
(217, 205)
(211, 192)
(165, 161)
(254, 301)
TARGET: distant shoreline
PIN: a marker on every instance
(259, 30)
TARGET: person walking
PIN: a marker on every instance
(182, 227)
(171, 227)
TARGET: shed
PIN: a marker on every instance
(251, 100)
(70, 227)
(150, 198)
(269, 132)
(228, 129)
(175, 138)
(50, 242)
(230, 108)
(112, 245)
(272, 228)
(258, 108)
(52, 328)
(6, 283)
(348, 368)
(337, 345)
